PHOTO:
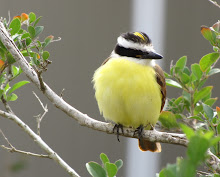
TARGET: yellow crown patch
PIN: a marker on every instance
(140, 35)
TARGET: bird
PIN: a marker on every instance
(130, 87)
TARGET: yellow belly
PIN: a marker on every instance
(127, 93)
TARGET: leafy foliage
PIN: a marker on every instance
(107, 169)
(25, 32)
(194, 108)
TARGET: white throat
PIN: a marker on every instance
(148, 62)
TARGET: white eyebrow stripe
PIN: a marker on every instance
(130, 44)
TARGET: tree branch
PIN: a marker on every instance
(83, 119)
(40, 117)
(52, 154)
(13, 149)
(215, 3)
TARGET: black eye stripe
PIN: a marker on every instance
(128, 52)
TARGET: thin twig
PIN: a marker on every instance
(203, 173)
(9, 17)
(51, 153)
(13, 149)
(61, 94)
(7, 107)
(215, 3)
(55, 40)
(40, 117)
(7, 80)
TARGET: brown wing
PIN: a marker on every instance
(161, 81)
(105, 61)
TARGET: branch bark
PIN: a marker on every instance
(82, 119)
(13, 149)
(52, 154)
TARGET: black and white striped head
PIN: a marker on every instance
(135, 45)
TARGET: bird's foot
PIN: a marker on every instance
(152, 127)
(117, 127)
(139, 131)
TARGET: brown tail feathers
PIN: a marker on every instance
(146, 145)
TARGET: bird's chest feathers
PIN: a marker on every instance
(127, 91)
(127, 77)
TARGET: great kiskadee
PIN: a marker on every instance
(130, 87)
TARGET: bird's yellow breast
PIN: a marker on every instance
(127, 93)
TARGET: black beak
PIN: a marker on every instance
(151, 55)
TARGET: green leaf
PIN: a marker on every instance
(211, 101)
(171, 71)
(198, 109)
(104, 158)
(15, 26)
(184, 78)
(215, 140)
(168, 119)
(1, 92)
(186, 70)
(187, 130)
(12, 97)
(111, 169)
(7, 87)
(208, 135)
(39, 44)
(216, 175)
(197, 118)
(28, 41)
(32, 32)
(20, 31)
(95, 169)
(47, 40)
(25, 35)
(186, 164)
(119, 163)
(2, 46)
(181, 63)
(169, 171)
(186, 96)
(196, 70)
(207, 61)
(213, 71)
(36, 22)
(207, 33)
(197, 148)
(202, 93)
(208, 111)
(15, 70)
(32, 17)
(173, 83)
(2, 53)
(34, 60)
(178, 100)
(17, 86)
(201, 84)
(38, 30)
(10, 58)
(46, 55)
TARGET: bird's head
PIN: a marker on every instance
(136, 45)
